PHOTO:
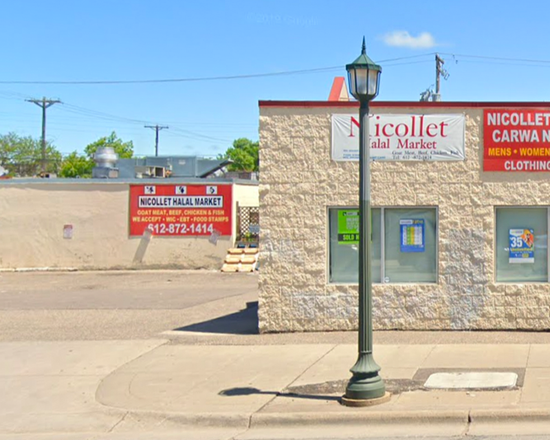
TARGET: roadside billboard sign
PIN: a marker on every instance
(181, 210)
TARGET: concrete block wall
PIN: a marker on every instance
(34, 213)
(299, 182)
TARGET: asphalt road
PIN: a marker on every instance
(116, 305)
(128, 290)
(187, 307)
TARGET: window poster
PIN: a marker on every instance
(348, 226)
(522, 246)
(412, 235)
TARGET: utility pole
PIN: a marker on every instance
(157, 128)
(439, 71)
(44, 104)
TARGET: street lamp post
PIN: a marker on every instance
(365, 387)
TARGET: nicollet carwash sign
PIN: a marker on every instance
(400, 137)
(516, 140)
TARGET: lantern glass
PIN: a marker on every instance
(363, 82)
(373, 81)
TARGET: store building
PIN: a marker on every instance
(460, 195)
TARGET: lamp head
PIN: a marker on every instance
(364, 77)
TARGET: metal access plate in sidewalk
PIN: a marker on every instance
(473, 380)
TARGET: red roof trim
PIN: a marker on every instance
(403, 104)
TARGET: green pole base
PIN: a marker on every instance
(362, 403)
(365, 386)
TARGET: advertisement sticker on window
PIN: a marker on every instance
(412, 235)
(522, 246)
(348, 226)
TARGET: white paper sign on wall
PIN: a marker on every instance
(401, 137)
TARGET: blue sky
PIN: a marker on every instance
(483, 44)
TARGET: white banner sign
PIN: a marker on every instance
(400, 137)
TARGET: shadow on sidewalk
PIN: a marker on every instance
(243, 322)
(247, 391)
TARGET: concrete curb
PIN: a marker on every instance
(38, 269)
(92, 271)
(496, 420)
(354, 417)
(357, 417)
(510, 414)
(153, 419)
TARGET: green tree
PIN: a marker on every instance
(125, 150)
(245, 155)
(22, 155)
(75, 165)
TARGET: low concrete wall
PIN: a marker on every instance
(35, 212)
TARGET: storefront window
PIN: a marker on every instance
(344, 245)
(522, 244)
(409, 243)
(410, 246)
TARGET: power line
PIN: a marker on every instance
(107, 116)
(101, 115)
(83, 112)
(202, 136)
(406, 64)
(173, 80)
(7, 94)
(388, 62)
(524, 60)
(204, 78)
(505, 63)
(406, 58)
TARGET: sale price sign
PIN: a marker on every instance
(181, 210)
(522, 246)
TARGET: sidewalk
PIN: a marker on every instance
(281, 386)
(199, 368)
(128, 389)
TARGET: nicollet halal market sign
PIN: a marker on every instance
(401, 137)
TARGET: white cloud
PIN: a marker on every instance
(425, 40)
